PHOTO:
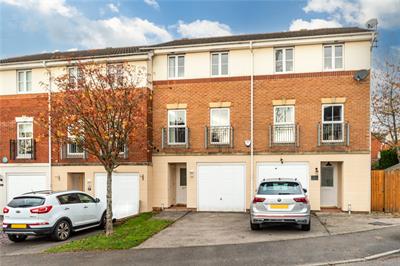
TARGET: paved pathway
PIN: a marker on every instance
(291, 252)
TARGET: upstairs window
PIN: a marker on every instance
(73, 75)
(283, 60)
(115, 72)
(219, 64)
(24, 140)
(176, 66)
(24, 80)
(332, 123)
(177, 133)
(73, 148)
(284, 126)
(220, 125)
(333, 57)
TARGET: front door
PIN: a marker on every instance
(181, 185)
(328, 186)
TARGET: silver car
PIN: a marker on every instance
(280, 200)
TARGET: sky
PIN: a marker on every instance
(38, 26)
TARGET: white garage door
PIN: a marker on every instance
(18, 184)
(125, 193)
(285, 170)
(221, 187)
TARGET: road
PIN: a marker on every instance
(288, 252)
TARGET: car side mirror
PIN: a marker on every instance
(97, 200)
(305, 190)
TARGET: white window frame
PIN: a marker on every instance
(73, 137)
(333, 64)
(76, 74)
(293, 107)
(177, 126)
(228, 125)
(332, 122)
(24, 82)
(24, 155)
(283, 60)
(176, 68)
(219, 64)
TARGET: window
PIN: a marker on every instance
(279, 188)
(24, 139)
(177, 127)
(219, 64)
(284, 60)
(332, 123)
(68, 199)
(26, 202)
(74, 148)
(24, 80)
(115, 71)
(284, 127)
(176, 66)
(220, 125)
(73, 75)
(182, 177)
(327, 176)
(333, 57)
(85, 198)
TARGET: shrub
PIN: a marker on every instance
(388, 158)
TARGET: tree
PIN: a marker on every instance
(99, 108)
(386, 103)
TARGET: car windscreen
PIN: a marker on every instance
(26, 202)
(279, 188)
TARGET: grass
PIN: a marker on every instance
(127, 235)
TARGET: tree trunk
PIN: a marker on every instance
(109, 224)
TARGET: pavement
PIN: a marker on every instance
(285, 252)
(203, 229)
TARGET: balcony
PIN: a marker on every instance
(24, 149)
(284, 135)
(333, 134)
(218, 136)
(175, 137)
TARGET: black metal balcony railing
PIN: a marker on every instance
(175, 137)
(284, 134)
(218, 136)
(23, 149)
(333, 134)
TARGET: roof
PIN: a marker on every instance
(262, 36)
(181, 42)
(75, 54)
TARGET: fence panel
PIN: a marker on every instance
(378, 190)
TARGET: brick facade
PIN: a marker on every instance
(29, 105)
(306, 89)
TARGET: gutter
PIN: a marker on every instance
(251, 121)
(49, 117)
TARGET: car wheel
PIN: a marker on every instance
(103, 221)
(62, 231)
(306, 227)
(17, 238)
(255, 227)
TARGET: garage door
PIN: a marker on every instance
(18, 184)
(221, 187)
(125, 193)
(285, 170)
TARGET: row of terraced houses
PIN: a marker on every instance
(225, 113)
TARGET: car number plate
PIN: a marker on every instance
(279, 206)
(18, 226)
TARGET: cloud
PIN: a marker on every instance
(113, 7)
(300, 24)
(357, 12)
(203, 28)
(65, 24)
(153, 3)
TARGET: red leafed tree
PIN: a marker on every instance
(99, 107)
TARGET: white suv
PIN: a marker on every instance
(51, 213)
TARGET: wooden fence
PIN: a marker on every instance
(385, 190)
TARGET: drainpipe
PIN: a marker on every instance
(49, 130)
(252, 122)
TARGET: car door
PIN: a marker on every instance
(89, 209)
(71, 207)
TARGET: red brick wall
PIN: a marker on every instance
(30, 105)
(307, 89)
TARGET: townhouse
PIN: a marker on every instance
(225, 113)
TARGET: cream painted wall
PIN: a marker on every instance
(355, 176)
(60, 173)
(307, 58)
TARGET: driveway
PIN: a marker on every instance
(202, 229)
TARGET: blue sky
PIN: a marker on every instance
(36, 26)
